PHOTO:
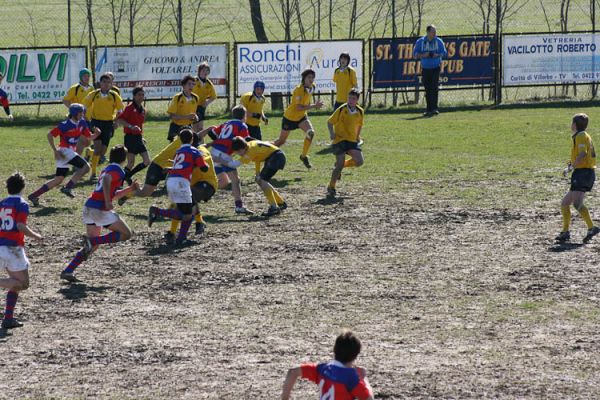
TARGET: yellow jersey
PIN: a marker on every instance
(77, 93)
(103, 107)
(258, 151)
(165, 158)
(254, 105)
(582, 142)
(204, 90)
(209, 176)
(300, 96)
(344, 81)
(346, 123)
(182, 105)
(116, 89)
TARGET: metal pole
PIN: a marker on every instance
(593, 15)
(498, 80)
(69, 22)
(180, 23)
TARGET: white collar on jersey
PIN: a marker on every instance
(337, 364)
(16, 196)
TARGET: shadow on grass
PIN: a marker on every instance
(325, 150)
(560, 247)
(213, 219)
(170, 248)
(328, 201)
(279, 183)
(79, 290)
(46, 211)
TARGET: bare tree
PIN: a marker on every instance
(257, 21)
(90, 20)
(117, 9)
(299, 18)
(33, 39)
(134, 8)
(196, 6)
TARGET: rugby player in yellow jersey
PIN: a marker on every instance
(295, 115)
(205, 90)
(182, 108)
(112, 83)
(261, 152)
(78, 92)
(254, 102)
(103, 106)
(344, 130)
(583, 165)
(345, 79)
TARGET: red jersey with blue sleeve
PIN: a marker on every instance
(70, 132)
(336, 381)
(226, 132)
(96, 199)
(4, 99)
(133, 115)
(186, 159)
(13, 210)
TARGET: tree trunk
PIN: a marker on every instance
(257, 21)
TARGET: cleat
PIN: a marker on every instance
(69, 277)
(244, 211)
(152, 216)
(183, 242)
(11, 323)
(34, 200)
(93, 178)
(272, 211)
(87, 248)
(305, 160)
(282, 206)
(200, 227)
(169, 238)
(435, 112)
(591, 233)
(102, 159)
(331, 193)
(67, 192)
(563, 237)
(122, 200)
(4, 333)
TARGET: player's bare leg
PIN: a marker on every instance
(236, 191)
(309, 132)
(16, 282)
(336, 174)
(283, 135)
(34, 197)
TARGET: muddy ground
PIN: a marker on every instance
(450, 302)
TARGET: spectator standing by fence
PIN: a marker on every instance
(430, 49)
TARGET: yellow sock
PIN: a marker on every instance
(349, 163)
(95, 160)
(174, 226)
(278, 197)
(566, 217)
(270, 197)
(585, 214)
(306, 147)
(199, 218)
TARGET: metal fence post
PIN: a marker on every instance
(69, 22)
(498, 72)
(180, 23)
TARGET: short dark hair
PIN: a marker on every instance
(581, 121)
(203, 65)
(354, 92)
(239, 143)
(306, 72)
(15, 183)
(347, 347)
(431, 27)
(345, 55)
(105, 77)
(186, 79)
(186, 136)
(238, 112)
(118, 154)
(137, 89)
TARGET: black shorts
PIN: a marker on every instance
(154, 174)
(274, 163)
(174, 130)
(582, 179)
(202, 191)
(107, 129)
(77, 162)
(135, 144)
(201, 113)
(288, 125)
(344, 146)
(185, 208)
(255, 132)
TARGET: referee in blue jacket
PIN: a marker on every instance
(430, 50)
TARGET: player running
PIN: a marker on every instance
(260, 152)
(205, 90)
(583, 165)
(4, 100)
(295, 115)
(182, 109)
(344, 130)
(338, 379)
(71, 132)
(254, 102)
(98, 211)
(344, 78)
(13, 229)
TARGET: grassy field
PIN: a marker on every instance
(439, 255)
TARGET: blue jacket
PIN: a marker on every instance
(424, 45)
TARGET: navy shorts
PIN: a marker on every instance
(344, 146)
(582, 179)
(274, 163)
(288, 125)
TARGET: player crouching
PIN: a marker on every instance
(274, 159)
(98, 211)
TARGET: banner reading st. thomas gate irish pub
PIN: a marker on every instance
(40, 75)
(470, 61)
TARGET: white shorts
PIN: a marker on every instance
(94, 216)
(13, 258)
(67, 155)
(179, 190)
(223, 159)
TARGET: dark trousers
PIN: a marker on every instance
(430, 79)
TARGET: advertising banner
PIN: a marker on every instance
(40, 75)
(470, 61)
(159, 69)
(279, 65)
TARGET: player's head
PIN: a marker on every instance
(239, 145)
(15, 183)
(580, 122)
(344, 59)
(105, 82)
(84, 76)
(259, 88)
(138, 94)
(111, 76)
(347, 347)
(239, 112)
(186, 136)
(187, 83)
(118, 154)
(308, 77)
(76, 111)
(203, 70)
(431, 31)
(353, 96)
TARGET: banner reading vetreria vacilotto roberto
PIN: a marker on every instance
(40, 75)
(159, 69)
(550, 58)
(279, 65)
(470, 61)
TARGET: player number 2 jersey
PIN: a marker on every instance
(96, 199)
(13, 210)
(186, 159)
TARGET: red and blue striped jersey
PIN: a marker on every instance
(226, 132)
(336, 381)
(70, 132)
(186, 159)
(96, 199)
(4, 99)
(13, 210)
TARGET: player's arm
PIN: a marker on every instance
(27, 231)
(583, 148)
(51, 135)
(68, 99)
(212, 96)
(257, 167)
(579, 159)
(417, 53)
(332, 121)
(134, 187)
(5, 104)
(106, 182)
(358, 131)
(305, 107)
(290, 380)
(353, 80)
(201, 164)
